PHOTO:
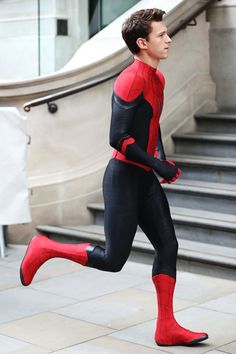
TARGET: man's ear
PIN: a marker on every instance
(141, 43)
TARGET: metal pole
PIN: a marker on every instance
(39, 44)
(99, 15)
(2, 243)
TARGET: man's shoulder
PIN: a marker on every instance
(129, 84)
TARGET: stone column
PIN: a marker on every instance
(222, 18)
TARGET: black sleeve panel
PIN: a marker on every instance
(160, 147)
(121, 119)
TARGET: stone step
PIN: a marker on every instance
(202, 195)
(203, 168)
(219, 122)
(192, 256)
(206, 144)
(193, 224)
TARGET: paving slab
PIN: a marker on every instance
(201, 288)
(31, 349)
(109, 345)
(120, 309)
(52, 331)
(196, 319)
(138, 269)
(87, 284)
(226, 304)
(117, 310)
(10, 345)
(216, 352)
(21, 302)
(13, 253)
(229, 348)
(9, 278)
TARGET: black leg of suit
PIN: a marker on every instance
(134, 196)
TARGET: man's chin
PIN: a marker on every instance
(164, 57)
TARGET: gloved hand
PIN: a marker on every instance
(168, 170)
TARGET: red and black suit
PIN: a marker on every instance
(132, 193)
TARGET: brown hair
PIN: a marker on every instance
(138, 25)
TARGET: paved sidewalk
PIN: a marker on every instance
(73, 309)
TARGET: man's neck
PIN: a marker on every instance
(147, 60)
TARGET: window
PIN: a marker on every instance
(103, 12)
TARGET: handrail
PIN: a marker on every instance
(81, 87)
(191, 17)
(172, 31)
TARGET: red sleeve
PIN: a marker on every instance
(161, 77)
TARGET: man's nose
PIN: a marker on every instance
(168, 39)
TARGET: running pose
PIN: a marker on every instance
(132, 193)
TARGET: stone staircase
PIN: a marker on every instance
(203, 201)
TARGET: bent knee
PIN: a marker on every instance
(114, 267)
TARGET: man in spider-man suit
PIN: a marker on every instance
(132, 193)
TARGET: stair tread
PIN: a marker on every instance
(204, 160)
(190, 249)
(191, 213)
(204, 187)
(205, 184)
(203, 217)
(96, 206)
(218, 137)
(216, 115)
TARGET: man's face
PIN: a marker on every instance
(158, 41)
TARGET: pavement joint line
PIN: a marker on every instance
(145, 346)
(85, 341)
(214, 310)
(51, 293)
(217, 348)
(22, 318)
(51, 277)
(107, 294)
(24, 341)
(84, 300)
(231, 292)
(82, 320)
(225, 351)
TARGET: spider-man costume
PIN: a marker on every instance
(133, 196)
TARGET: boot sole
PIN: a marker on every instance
(21, 272)
(195, 341)
(22, 278)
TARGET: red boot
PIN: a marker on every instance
(41, 249)
(168, 331)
